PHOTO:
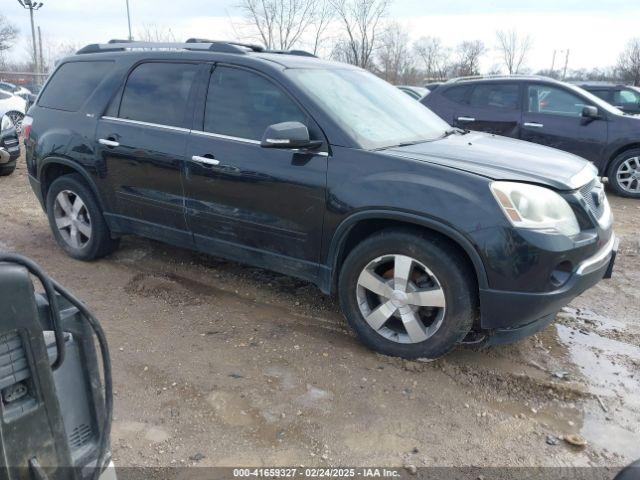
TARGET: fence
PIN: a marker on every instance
(23, 78)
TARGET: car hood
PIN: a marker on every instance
(502, 158)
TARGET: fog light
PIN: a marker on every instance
(561, 273)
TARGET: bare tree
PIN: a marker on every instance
(514, 49)
(8, 35)
(629, 62)
(152, 32)
(396, 63)
(436, 58)
(361, 22)
(469, 54)
(280, 24)
(323, 16)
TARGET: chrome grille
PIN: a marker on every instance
(589, 194)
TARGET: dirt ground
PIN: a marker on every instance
(220, 364)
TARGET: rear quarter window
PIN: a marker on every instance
(72, 84)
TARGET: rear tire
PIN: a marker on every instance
(436, 310)
(624, 174)
(76, 219)
(6, 170)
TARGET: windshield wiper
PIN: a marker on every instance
(453, 130)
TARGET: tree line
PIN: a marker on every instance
(359, 32)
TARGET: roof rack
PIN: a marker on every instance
(197, 44)
(495, 76)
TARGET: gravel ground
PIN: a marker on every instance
(220, 364)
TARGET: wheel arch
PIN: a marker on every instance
(52, 168)
(365, 223)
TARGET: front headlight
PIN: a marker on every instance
(530, 206)
(6, 123)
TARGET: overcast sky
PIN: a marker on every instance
(594, 31)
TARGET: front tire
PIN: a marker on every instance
(408, 295)
(76, 219)
(624, 174)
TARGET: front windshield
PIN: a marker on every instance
(375, 113)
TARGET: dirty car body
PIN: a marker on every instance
(303, 211)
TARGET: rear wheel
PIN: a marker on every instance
(624, 174)
(407, 295)
(76, 219)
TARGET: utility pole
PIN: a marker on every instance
(566, 63)
(41, 54)
(553, 62)
(129, 21)
(31, 6)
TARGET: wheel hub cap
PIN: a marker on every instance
(628, 175)
(400, 298)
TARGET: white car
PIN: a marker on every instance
(13, 106)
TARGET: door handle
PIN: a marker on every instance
(108, 143)
(205, 160)
(533, 124)
(466, 119)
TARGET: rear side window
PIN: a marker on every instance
(603, 94)
(457, 94)
(158, 93)
(501, 95)
(4, 96)
(72, 84)
(243, 104)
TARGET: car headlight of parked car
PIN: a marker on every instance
(534, 207)
(6, 123)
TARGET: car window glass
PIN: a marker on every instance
(603, 94)
(548, 99)
(158, 93)
(4, 96)
(72, 84)
(456, 94)
(503, 96)
(243, 104)
(621, 97)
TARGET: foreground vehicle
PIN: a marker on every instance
(319, 170)
(56, 415)
(548, 112)
(9, 146)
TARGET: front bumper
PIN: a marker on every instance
(9, 147)
(512, 315)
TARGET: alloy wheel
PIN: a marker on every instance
(72, 219)
(400, 298)
(16, 118)
(628, 175)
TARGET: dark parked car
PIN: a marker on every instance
(429, 235)
(548, 112)
(9, 146)
(624, 97)
(414, 92)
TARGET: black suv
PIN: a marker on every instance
(431, 236)
(552, 113)
(624, 97)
